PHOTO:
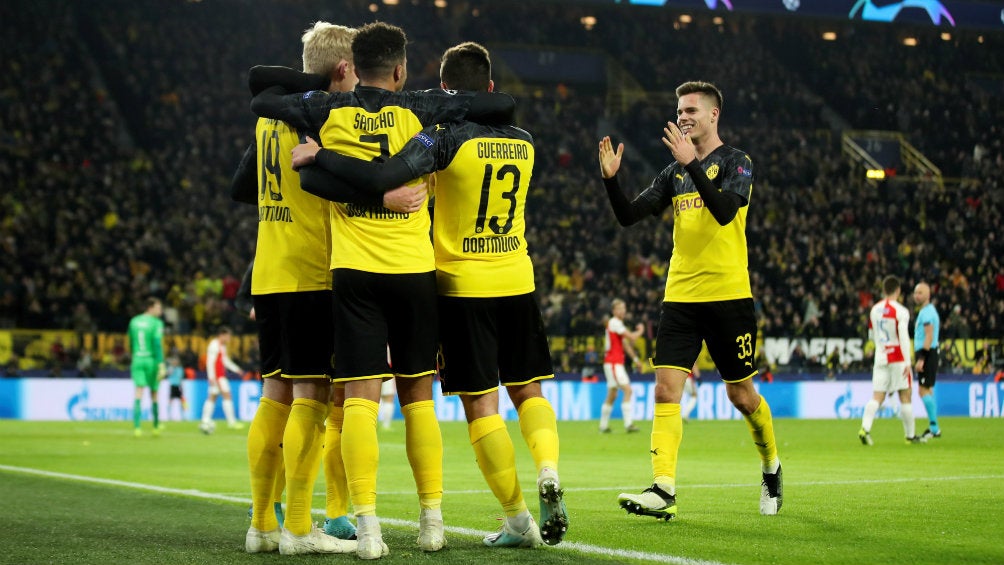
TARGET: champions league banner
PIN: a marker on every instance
(936, 13)
(112, 400)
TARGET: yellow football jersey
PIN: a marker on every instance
(294, 233)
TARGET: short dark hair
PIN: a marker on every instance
(890, 284)
(700, 87)
(466, 67)
(224, 330)
(151, 301)
(377, 48)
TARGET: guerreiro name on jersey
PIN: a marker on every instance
(481, 190)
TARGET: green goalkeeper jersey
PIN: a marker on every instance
(146, 334)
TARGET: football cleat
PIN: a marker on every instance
(235, 425)
(632, 429)
(928, 434)
(314, 541)
(553, 515)
(257, 541)
(771, 493)
(653, 501)
(915, 439)
(370, 539)
(339, 527)
(507, 536)
(865, 437)
(604, 430)
(430, 530)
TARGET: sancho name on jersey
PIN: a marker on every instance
(362, 236)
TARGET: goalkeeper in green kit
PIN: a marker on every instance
(146, 334)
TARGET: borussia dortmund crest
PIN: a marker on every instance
(712, 171)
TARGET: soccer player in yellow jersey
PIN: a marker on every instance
(384, 274)
(490, 325)
(291, 287)
(708, 296)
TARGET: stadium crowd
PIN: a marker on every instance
(123, 121)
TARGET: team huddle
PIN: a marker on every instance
(350, 291)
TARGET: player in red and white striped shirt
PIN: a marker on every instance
(889, 323)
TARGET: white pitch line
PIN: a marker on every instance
(565, 546)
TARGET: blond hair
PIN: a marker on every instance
(324, 46)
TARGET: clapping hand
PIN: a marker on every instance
(679, 143)
(610, 161)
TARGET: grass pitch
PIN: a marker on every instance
(81, 492)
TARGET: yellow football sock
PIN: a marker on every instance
(337, 499)
(280, 482)
(424, 444)
(265, 459)
(361, 453)
(761, 426)
(540, 431)
(301, 448)
(497, 460)
(667, 433)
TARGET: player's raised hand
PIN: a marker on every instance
(406, 199)
(679, 143)
(610, 160)
(305, 153)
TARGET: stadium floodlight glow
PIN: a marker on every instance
(390, 2)
(829, 36)
(588, 22)
(875, 174)
(440, 3)
(717, 20)
(685, 18)
(910, 41)
(374, 7)
(945, 36)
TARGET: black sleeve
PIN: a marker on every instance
(368, 176)
(327, 185)
(244, 301)
(722, 205)
(244, 186)
(261, 77)
(628, 213)
(492, 108)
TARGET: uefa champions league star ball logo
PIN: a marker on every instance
(869, 11)
(791, 5)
